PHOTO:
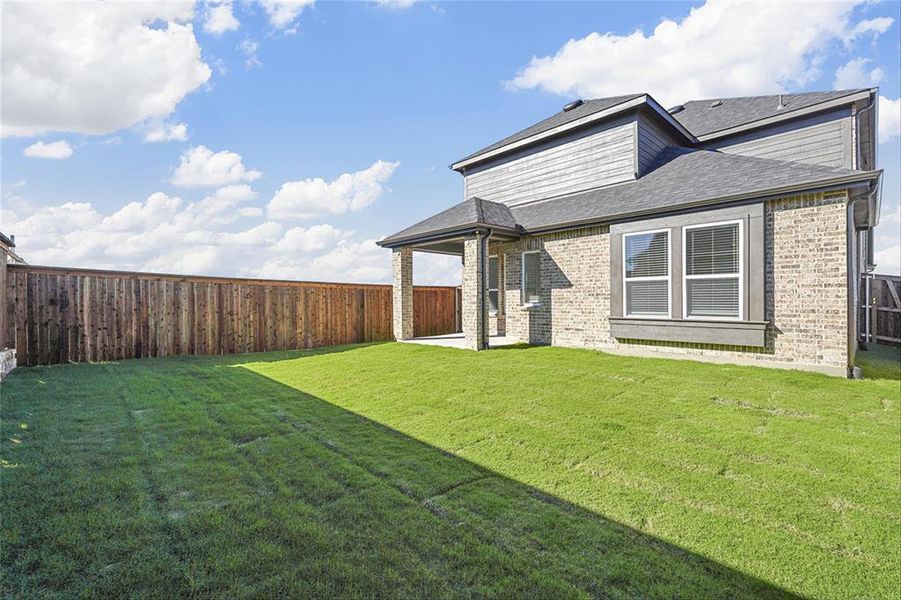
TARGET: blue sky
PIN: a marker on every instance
(350, 113)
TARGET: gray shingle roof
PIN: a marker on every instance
(468, 214)
(588, 107)
(701, 118)
(679, 177)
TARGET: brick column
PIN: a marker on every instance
(402, 259)
(474, 293)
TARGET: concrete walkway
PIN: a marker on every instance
(455, 340)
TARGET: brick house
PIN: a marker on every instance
(730, 230)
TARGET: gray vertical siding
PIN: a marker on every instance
(598, 156)
(824, 139)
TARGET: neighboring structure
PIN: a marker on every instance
(732, 229)
(7, 355)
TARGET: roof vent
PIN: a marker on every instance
(572, 105)
(676, 109)
(716, 103)
(781, 104)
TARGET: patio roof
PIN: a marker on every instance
(471, 216)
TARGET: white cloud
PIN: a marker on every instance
(166, 234)
(876, 26)
(264, 234)
(95, 67)
(56, 150)
(158, 209)
(282, 14)
(250, 48)
(719, 49)
(311, 239)
(349, 261)
(889, 119)
(396, 4)
(222, 206)
(349, 192)
(219, 18)
(888, 260)
(854, 74)
(19, 183)
(200, 166)
(166, 132)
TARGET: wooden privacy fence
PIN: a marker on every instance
(57, 315)
(885, 308)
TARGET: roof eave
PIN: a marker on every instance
(532, 139)
(757, 196)
(448, 233)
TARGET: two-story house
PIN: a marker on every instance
(731, 230)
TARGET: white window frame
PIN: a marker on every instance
(741, 271)
(494, 313)
(668, 277)
(522, 295)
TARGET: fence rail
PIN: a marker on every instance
(56, 315)
(885, 308)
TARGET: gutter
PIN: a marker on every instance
(447, 233)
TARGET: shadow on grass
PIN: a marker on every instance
(213, 479)
(880, 362)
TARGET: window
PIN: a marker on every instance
(646, 273)
(531, 275)
(713, 279)
(492, 284)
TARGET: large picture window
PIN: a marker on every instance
(712, 270)
(492, 284)
(531, 277)
(646, 273)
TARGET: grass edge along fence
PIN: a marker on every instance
(57, 315)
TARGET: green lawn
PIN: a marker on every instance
(413, 471)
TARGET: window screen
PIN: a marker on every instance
(492, 283)
(713, 271)
(646, 262)
(531, 274)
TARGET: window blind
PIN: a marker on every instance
(713, 271)
(646, 260)
(647, 255)
(647, 297)
(712, 250)
(531, 272)
(713, 297)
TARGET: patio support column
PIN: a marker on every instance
(475, 324)
(403, 293)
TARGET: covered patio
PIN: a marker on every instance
(463, 230)
(458, 340)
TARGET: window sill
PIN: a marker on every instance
(529, 305)
(721, 332)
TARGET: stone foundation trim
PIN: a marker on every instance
(729, 333)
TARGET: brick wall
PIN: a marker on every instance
(806, 297)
